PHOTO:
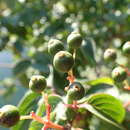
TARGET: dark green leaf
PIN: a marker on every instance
(103, 84)
(107, 105)
(105, 80)
(59, 81)
(99, 115)
(27, 99)
(98, 124)
(21, 66)
(25, 106)
(88, 49)
(54, 100)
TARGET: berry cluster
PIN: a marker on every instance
(120, 72)
(63, 61)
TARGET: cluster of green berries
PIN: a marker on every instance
(119, 73)
(75, 92)
(63, 61)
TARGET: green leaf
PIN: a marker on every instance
(125, 98)
(26, 101)
(41, 62)
(36, 15)
(21, 66)
(87, 49)
(98, 124)
(107, 105)
(24, 80)
(34, 125)
(59, 81)
(99, 115)
(102, 84)
(43, 68)
(25, 106)
(11, 22)
(54, 100)
(105, 80)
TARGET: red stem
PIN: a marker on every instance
(74, 105)
(37, 118)
(45, 127)
(127, 87)
(70, 78)
(46, 122)
(48, 111)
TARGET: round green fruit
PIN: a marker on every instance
(76, 91)
(37, 83)
(55, 46)
(110, 55)
(126, 48)
(63, 61)
(9, 115)
(119, 74)
(74, 40)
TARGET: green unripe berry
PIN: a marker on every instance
(55, 46)
(76, 91)
(74, 40)
(110, 55)
(126, 48)
(9, 115)
(119, 74)
(37, 83)
(63, 61)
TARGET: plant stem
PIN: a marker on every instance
(127, 86)
(25, 117)
(46, 122)
(71, 77)
(74, 54)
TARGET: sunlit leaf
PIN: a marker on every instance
(26, 105)
(106, 107)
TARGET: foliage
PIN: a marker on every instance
(26, 27)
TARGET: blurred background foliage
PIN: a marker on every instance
(26, 26)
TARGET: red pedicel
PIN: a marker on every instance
(47, 122)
